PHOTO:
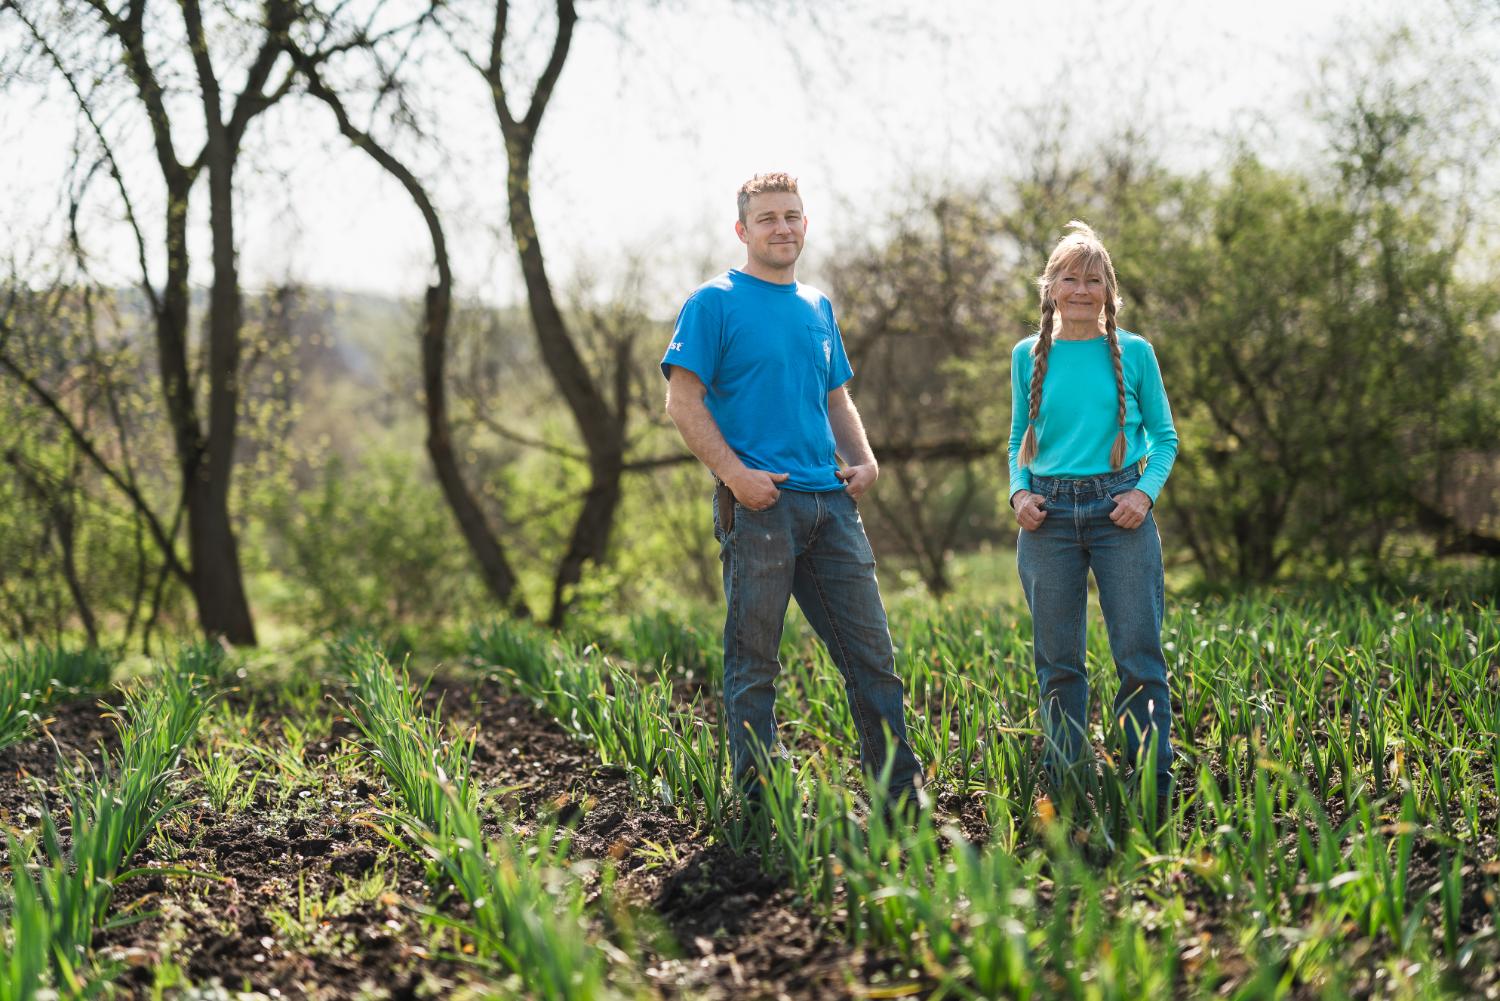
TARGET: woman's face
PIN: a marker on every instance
(1079, 294)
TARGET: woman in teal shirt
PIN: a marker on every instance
(1091, 444)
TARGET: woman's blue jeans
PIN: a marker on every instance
(1054, 562)
(811, 546)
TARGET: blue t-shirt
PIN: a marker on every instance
(769, 354)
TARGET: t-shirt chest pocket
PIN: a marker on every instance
(821, 339)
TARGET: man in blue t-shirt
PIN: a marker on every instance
(756, 372)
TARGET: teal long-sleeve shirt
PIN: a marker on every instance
(1079, 416)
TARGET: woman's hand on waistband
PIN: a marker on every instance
(1131, 509)
(1029, 508)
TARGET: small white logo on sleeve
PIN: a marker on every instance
(675, 346)
(827, 350)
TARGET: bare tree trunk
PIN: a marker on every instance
(603, 431)
(483, 544)
(205, 462)
(214, 574)
(218, 584)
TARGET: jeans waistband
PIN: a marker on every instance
(1086, 486)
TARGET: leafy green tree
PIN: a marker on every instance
(1321, 345)
(917, 308)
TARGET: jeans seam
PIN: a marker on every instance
(817, 526)
(1079, 632)
(733, 656)
(833, 627)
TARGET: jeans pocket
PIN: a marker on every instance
(1112, 503)
(724, 511)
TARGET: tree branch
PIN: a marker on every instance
(1459, 538)
(61, 508)
(108, 150)
(130, 32)
(567, 16)
(490, 424)
(904, 451)
(87, 447)
(252, 100)
(492, 69)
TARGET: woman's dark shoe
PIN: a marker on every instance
(902, 810)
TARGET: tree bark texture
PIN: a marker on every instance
(601, 427)
(205, 456)
(484, 546)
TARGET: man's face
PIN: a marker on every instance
(774, 229)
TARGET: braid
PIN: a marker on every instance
(1039, 355)
(1082, 250)
(1117, 453)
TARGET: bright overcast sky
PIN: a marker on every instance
(647, 139)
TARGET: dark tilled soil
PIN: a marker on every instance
(74, 731)
(727, 929)
(710, 922)
(224, 930)
(254, 921)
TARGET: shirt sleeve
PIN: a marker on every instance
(1156, 417)
(839, 369)
(1020, 406)
(697, 340)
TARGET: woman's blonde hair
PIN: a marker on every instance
(1080, 250)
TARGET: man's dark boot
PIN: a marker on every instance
(902, 810)
(752, 794)
(1164, 817)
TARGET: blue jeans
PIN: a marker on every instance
(813, 546)
(1054, 562)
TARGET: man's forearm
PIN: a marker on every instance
(704, 439)
(849, 434)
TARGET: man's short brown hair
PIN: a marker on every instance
(762, 184)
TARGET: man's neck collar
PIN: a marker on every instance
(778, 276)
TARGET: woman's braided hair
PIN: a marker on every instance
(1080, 250)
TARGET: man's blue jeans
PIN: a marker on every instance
(813, 546)
(1054, 561)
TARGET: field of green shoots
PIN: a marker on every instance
(515, 813)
